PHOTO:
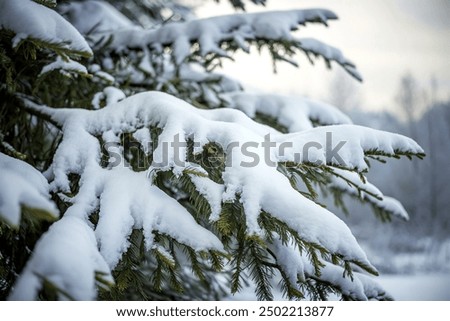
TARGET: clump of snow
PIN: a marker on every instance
(28, 19)
(144, 138)
(96, 100)
(67, 256)
(110, 95)
(64, 66)
(113, 95)
(290, 260)
(22, 185)
(100, 74)
(161, 250)
(128, 200)
(212, 192)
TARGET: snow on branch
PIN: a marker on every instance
(21, 186)
(222, 126)
(294, 113)
(299, 114)
(211, 32)
(297, 268)
(127, 200)
(329, 53)
(68, 258)
(33, 21)
(352, 183)
(345, 146)
(65, 67)
(219, 35)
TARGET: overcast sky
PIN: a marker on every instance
(385, 38)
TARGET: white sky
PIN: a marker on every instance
(385, 38)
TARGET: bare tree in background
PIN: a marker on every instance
(409, 99)
(343, 92)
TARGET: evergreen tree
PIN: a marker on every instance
(131, 169)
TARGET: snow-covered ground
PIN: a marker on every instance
(420, 287)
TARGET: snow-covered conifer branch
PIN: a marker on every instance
(352, 184)
(42, 26)
(156, 194)
(80, 153)
(298, 114)
(223, 34)
(317, 48)
(65, 67)
(294, 113)
(211, 32)
(299, 270)
(352, 142)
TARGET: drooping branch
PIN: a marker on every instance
(220, 36)
(256, 185)
(352, 184)
(294, 113)
(345, 146)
